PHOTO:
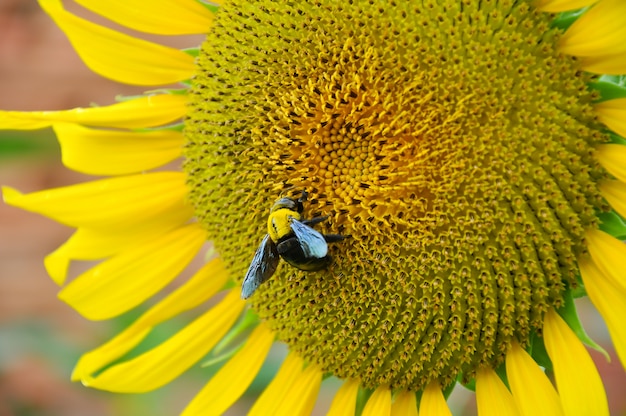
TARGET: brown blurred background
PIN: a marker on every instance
(40, 337)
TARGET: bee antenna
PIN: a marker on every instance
(303, 196)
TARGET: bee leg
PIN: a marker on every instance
(314, 221)
(333, 238)
(303, 197)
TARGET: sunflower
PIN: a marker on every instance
(469, 151)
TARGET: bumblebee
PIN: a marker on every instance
(292, 238)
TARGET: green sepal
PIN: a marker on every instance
(579, 291)
(418, 397)
(176, 91)
(362, 397)
(501, 372)
(470, 385)
(178, 127)
(616, 139)
(608, 90)
(614, 79)
(172, 91)
(326, 376)
(539, 353)
(213, 8)
(229, 285)
(570, 316)
(219, 358)
(448, 390)
(247, 321)
(565, 19)
(210, 254)
(233, 341)
(611, 223)
(192, 51)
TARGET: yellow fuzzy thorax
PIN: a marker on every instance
(279, 223)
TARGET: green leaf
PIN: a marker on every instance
(28, 143)
(570, 316)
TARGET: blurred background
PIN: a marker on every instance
(41, 338)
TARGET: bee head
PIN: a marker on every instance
(289, 203)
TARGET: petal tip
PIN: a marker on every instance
(57, 266)
(10, 195)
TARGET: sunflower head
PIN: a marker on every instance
(464, 150)
(463, 170)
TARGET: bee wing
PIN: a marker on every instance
(262, 267)
(312, 242)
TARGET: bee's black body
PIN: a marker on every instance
(291, 238)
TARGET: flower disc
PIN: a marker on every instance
(449, 140)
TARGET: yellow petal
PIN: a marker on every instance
(232, 380)
(106, 152)
(275, 392)
(344, 403)
(117, 202)
(162, 17)
(554, 6)
(405, 404)
(379, 403)
(609, 254)
(126, 280)
(615, 193)
(610, 301)
(168, 360)
(95, 244)
(492, 396)
(121, 57)
(597, 32)
(533, 393)
(301, 393)
(611, 64)
(577, 379)
(613, 158)
(613, 114)
(205, 283)
(149, 111)
(433, 402)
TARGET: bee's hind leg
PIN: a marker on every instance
(314, 221)
(333, 238)
(330, 238)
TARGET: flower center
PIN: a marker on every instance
(449, 140)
